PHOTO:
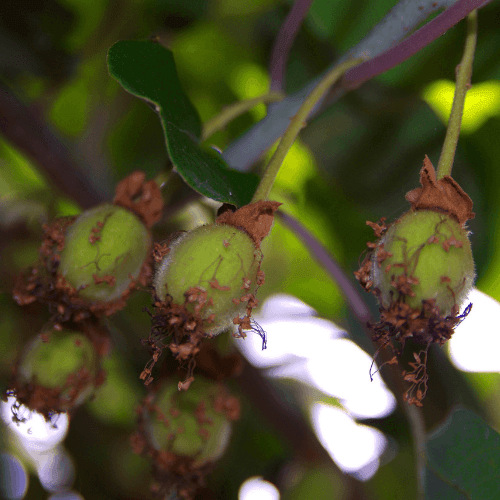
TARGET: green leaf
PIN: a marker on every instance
(147, 70)
(437, 488)
(465, 452)
(206, 171)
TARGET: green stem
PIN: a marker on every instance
(164, 178)
(297, 123)
(464, 72)
(228, 114)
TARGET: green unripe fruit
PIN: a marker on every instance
(191, 423)
(64, 360)
(219, 259)
(105, 249)
(431, 259)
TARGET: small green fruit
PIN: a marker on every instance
(219, 259)
(424, 255)
(192, 423)
(64, 360)
(105, 249)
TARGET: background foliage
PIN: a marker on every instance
(353, 163)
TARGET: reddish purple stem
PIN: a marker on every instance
(352, 296)
(411, 45)
(284, 41)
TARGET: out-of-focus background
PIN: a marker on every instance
(352, 163)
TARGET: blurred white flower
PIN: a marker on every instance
(475, 344)
(317, 352)
(34, 432)
(256, 488)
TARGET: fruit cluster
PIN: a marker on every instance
(88, 267)
(205, 282)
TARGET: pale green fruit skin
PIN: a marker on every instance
(214, 251)
(121, 252)
(181, 435)
(408, 241)
(49, 364)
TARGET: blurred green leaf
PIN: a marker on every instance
(320, 483)
(147, 70)
(437, 488)
(115, 401)
(465, 453)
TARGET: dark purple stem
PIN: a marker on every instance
(411, 45)
(319, 252)
(284, 41)
(20, 126)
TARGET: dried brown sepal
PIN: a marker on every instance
(246, 322)
(54, 238)
(163, 248)
(182, 331)
(42, 282)
(403, 284)
(261, 277)
(363, 274)
(49, 402)
(444, 195)
(382, 255)
(175, 327)
(425, 326)
(159, 251)
(214, 283)
(418, 378)
(378, 228)
(256, 219)
(142, 198)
